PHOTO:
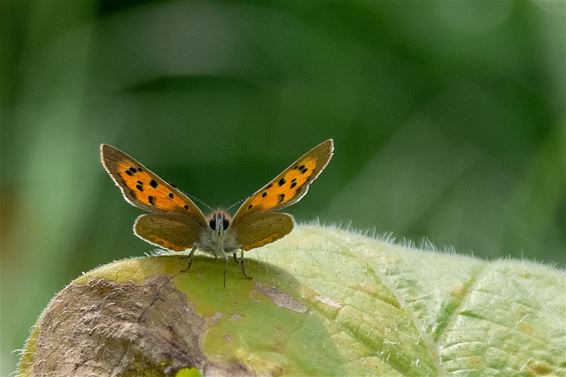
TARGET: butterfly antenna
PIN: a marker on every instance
(199, 201)
(235, 204)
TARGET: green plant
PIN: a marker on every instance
(323, 301)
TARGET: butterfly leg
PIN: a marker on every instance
(225, 257)
(225, 269)
(190, 257)
(242, 264)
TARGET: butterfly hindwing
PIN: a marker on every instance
(262, 228)
(169, 230)
(289, 186)
(145, 189)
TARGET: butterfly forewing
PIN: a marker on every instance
(145, 189)
(291, 185)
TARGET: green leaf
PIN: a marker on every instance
(323, 301)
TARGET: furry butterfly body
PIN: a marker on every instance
(175, 222)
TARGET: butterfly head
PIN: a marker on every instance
(219, 222)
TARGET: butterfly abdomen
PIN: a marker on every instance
(212, 243)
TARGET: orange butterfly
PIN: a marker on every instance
(176, 223)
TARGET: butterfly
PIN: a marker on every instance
(174, 221)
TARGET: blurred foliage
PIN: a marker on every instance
(448, 119)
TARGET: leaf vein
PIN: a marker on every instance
(472, 283)
(431, 345)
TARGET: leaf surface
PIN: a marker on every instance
(322, 301)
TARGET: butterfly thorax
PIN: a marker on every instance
(217, 239)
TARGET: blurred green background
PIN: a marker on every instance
(448, 119)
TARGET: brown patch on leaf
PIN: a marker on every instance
(106, 328)
(281, 299)
(540, 368)
(328, 301)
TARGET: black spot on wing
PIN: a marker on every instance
(153, 183)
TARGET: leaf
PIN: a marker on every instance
(323, 301)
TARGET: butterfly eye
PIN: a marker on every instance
(225, 223)
(212, 223)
